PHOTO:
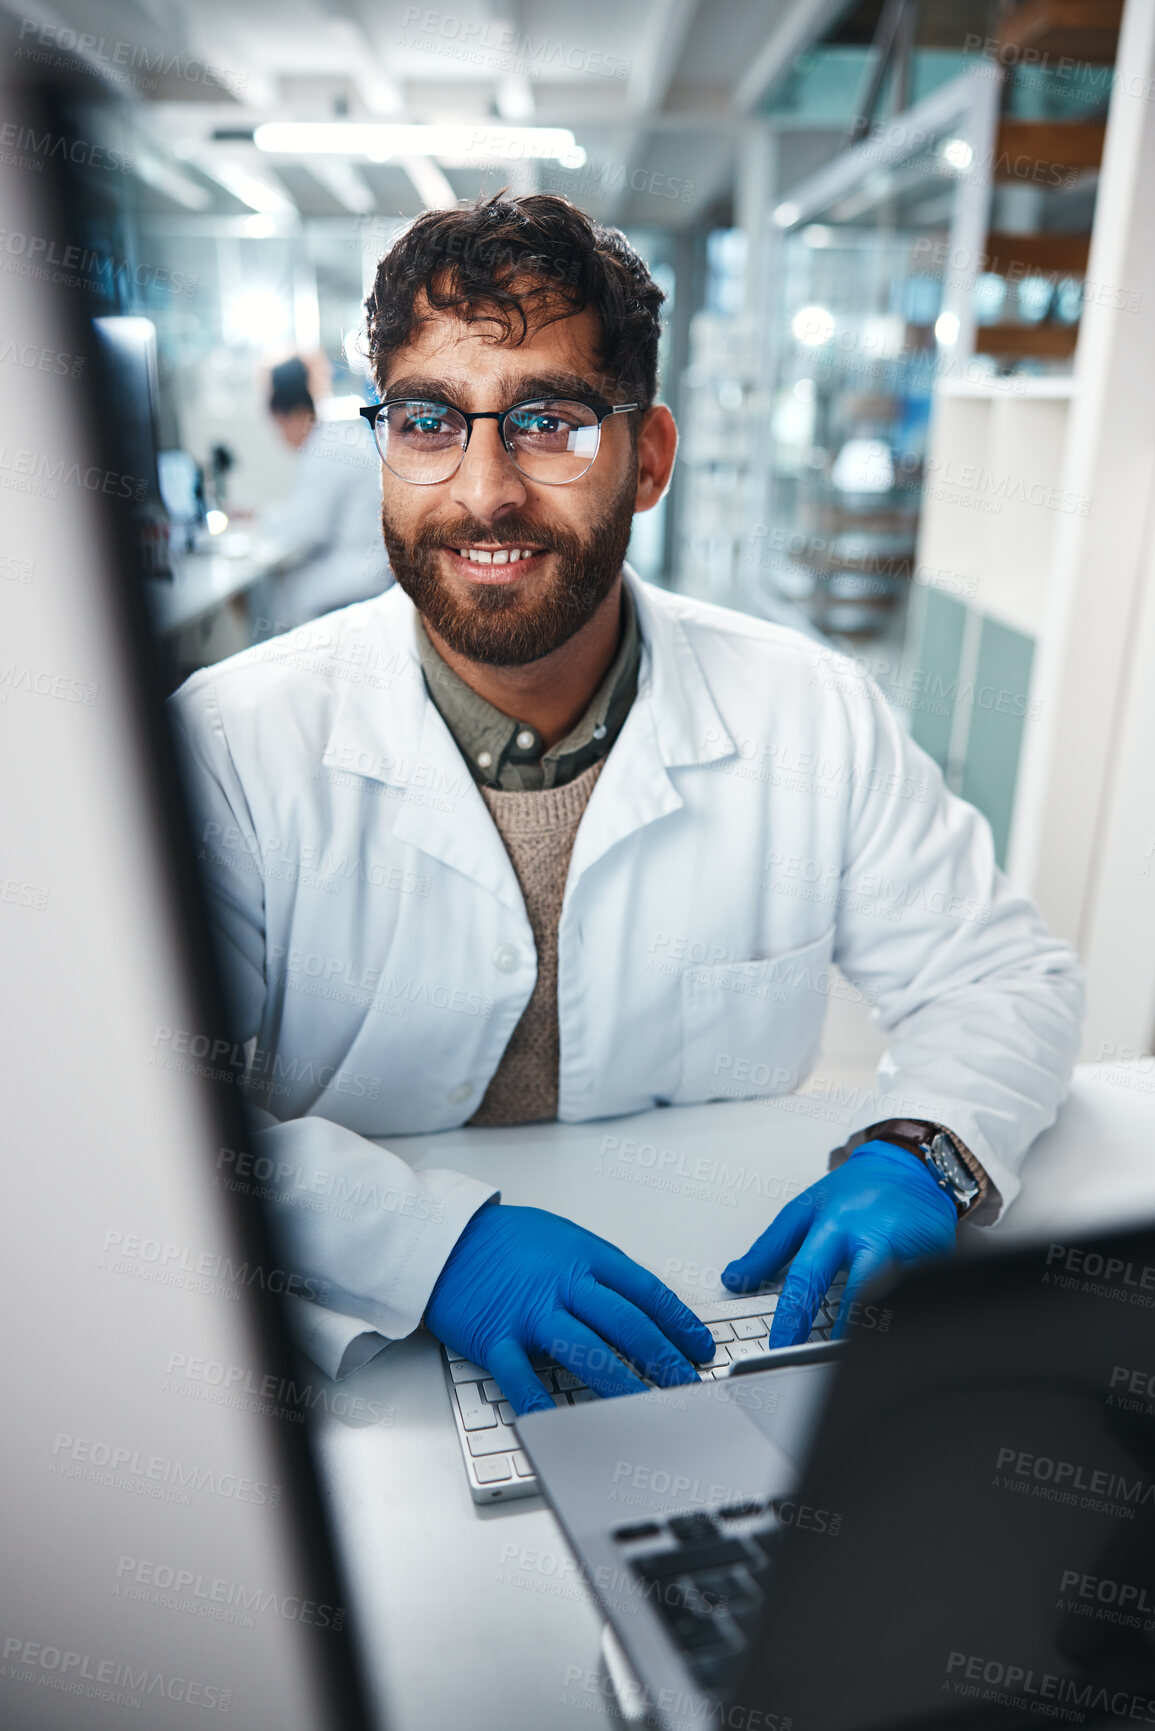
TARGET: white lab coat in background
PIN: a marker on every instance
(761, 817)
(333, 518)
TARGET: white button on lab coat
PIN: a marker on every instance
(761, 820)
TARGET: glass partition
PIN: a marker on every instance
(870, 288)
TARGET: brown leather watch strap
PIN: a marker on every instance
(910, 1133)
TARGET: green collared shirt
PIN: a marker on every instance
(509, 754)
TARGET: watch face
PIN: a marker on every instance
(944, 1156)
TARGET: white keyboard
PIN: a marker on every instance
(497, 1468)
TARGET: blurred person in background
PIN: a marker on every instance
(332, 518)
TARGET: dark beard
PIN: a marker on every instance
(499, 628)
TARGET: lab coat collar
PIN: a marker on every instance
(674, 722)
(687, 725)
(388, 729)
(380, 722)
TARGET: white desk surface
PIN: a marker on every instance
(204, 581)
(476, 1617)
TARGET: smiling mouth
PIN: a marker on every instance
(494, 564)
(495, 555)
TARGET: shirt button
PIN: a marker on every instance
(526, 740)
(507, 958)
(457, 1095)
(484, 759)
(600, 730)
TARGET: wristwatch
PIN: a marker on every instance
(941, 1153)
(949, 1160)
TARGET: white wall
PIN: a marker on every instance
(1086, 808)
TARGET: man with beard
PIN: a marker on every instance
(528, 839)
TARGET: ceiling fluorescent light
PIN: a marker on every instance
(459, 146)
(252, 189)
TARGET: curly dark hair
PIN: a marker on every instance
(515, 260)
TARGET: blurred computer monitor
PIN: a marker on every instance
(127, 348)
(162, 1551)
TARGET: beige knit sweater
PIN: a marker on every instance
(538, 830)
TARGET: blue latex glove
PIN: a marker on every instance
(520, 1280)
(880, 1207)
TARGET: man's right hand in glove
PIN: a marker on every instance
(521, 1281)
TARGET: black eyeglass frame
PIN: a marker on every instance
(599, 406)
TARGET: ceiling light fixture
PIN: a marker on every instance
(255, 190)
(380, 141)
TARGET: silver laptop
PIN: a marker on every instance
(674, 1503)
(950, 1523)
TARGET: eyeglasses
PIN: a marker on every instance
(551, 439)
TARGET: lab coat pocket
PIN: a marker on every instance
(751, 1028)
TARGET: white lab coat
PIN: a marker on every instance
(333, 518)
(761, 818)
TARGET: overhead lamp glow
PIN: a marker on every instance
(380, 141)
(216, 522)
(251, 189)
(958, 154)
(946, 329)
(260, 227)
(256, 317)
(813, 326)
(785, 215)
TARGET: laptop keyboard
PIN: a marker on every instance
(497, 1468)
(705, 1573)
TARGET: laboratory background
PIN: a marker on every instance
(904, 249)
(907, 249)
